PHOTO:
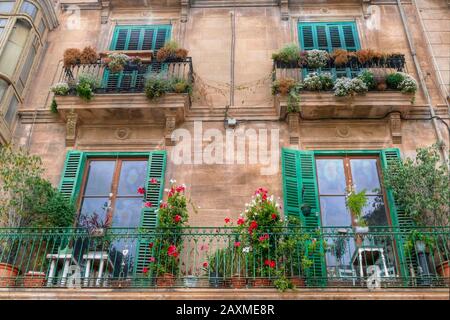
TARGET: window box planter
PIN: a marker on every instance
(145, 55)
(261, 283)
(8, 274)
(215, 279)
(190, 281)
(165, 280)
(298, 282)
(238, 282)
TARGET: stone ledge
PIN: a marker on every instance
(226, 294)
(320, 105)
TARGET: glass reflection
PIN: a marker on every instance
(365, 175)
(334, 211)
(132, 176)
(331, 176)
(100, 178)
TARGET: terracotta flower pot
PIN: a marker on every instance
(165, 280)
(34, 279)
(261, 283)
(238, 282)
(444, 270)
(8, 274)
(297, 282)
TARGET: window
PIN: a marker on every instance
(27, 66)
(3, 88)
(14, 47)
(41, 27)
(6, 6)
(135, 38)
(12, 109)
(29, 8)
(329, 36)
(3, 23)
(107, 183)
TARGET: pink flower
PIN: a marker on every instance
(145, 270)
(171, 192)
(264, 237)
(261, 190)
(141, 190)
(152, 259)
(237, 244)
(148, 204)
(227, 220)
(180, 188)
(177, 218)
(153, 181)
(163, 205)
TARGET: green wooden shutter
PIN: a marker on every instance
(300, 186)
(400, 220)
(329, 36)
(72, 174)
(149, 217)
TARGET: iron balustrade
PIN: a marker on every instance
(216, 257)
(132, 78)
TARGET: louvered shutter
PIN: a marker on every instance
(308, 183)
(292, 190)
(72, 173)
(400, 220)
(149, 218)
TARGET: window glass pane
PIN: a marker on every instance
(94, 205)
(3, 87)
(13, 48)
(331, 176)
(12, 109)
(375, 212)
(334, 212)
(29, 8)
(132, 176)
(41, 27)
(127, 212)
(100, 178)
(3, 23)
(365, 175)
(27, 66)
(6, 6)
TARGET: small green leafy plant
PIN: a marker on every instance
(288, 54)
(86, 85)
(355, 202)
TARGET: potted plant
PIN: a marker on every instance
(421, 186)
(171, 52)
(116, 62)
(215, 268)
(355, 202)
(287, 57)
(72, 56)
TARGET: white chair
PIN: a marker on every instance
(347, 272)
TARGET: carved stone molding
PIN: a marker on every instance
(284, 9)
(171, 121)
(395, 124)
(184, 10)
(105, 11)
(293, 125)
(71, 128)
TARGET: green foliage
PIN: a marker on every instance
(86, 85)
(157, 86)
(393, 80)
(368, 78)
(54, 106)
(355, 202)
(413, 237)
(180, 85)
(421, 186)
(288, 54)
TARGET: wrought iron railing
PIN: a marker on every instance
(224, 257)
(132, 78)
(297, 72)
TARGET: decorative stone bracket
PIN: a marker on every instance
(395, 122)
(293, 127)
(365, 7)
(184, 10)
(71, 128)
(105, 11)
(284, 9)
(171, 121)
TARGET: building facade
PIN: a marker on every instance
(231, 135)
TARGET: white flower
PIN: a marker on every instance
(166, 190)
(172, 181)
(246, 249)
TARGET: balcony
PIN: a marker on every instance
(120, 98)
(218, 258)
(323, 104)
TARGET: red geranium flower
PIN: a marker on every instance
(151, 245)
(171, 192)
(227, 220)
(180, 188)
(274, 216)
(148, 204)
(145, 270)
(163, 205)
(141, 190)
(270, 263)
(237, 244)
(177, 218)
(153, 181)
(205, 264)
(172, 250)
(240, 221)
(253, 225)
(264, 237)
(175, 254)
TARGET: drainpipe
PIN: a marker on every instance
(232, 58)
(422, 83)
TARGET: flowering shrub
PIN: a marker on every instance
(117, 61)
(60, 89)
(172, 216)
(317, 82)
(345, 87)
(408, 85)
(317, 58)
